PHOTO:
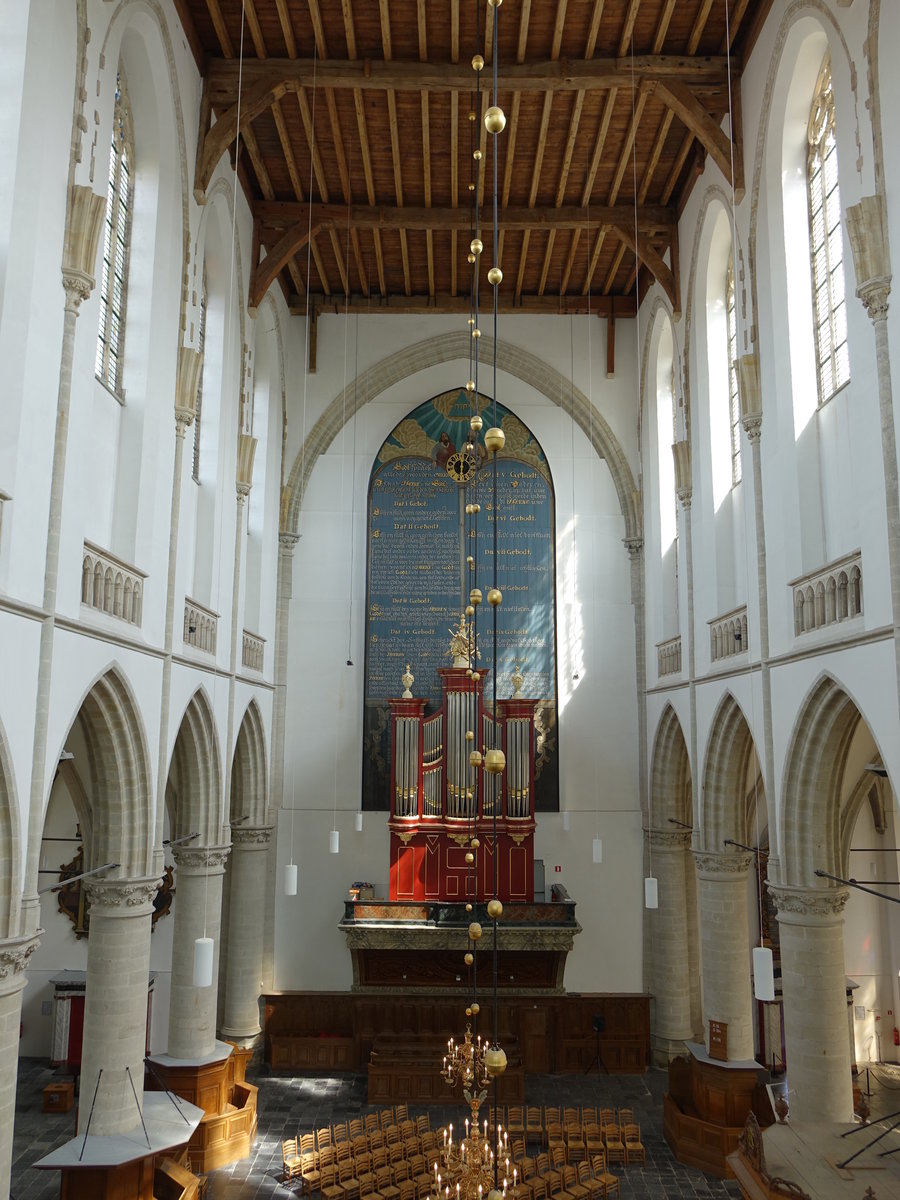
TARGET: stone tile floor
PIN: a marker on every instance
(290, 1104)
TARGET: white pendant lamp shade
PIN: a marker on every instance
(290, 879)
(651, 892)
(203, 962)
(763, 973)
(334, 842)
(359, 822)
(597, 851)
(565, 817)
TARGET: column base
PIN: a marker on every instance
(663, 1049)
(214, 1083)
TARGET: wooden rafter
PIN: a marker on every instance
(266, 272)
(704, 128)
(699, 25)
(443, 302)
(653, 261)
(287, 29)
(628, 27)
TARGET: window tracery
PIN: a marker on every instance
(116, 245)
(826, 241)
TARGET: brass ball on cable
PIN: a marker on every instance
(475, 842)
(495, 119)
(475, 422)
(495, 1064)
(476, 508)
(476, 1008)
(494, 762)
(495, 276)
(470, 560)
(475, 761)
(470, 857)
(468, 1012)
(470, 258)
(495, 439)
(468, 958)
(476, 154)
(472, 114)
(470, 385)
(494, 597)
(468, 510)
(469, 448)
(476, 333)
(468, 908)
(470, 611)
(494, 3)
(475, 596)
(471, 187)
(475, 676)
(470, 321)
(495, 909)
(477, 63)
(470, 736)
(474, 931)
(476, 245)
(468, 672)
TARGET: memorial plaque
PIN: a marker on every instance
(418, 579)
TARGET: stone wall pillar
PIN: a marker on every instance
(115, 1004)
(725, 948)
(14, 956)
(246, 915)
(198, 913)
(669, 932)
(817, 1048)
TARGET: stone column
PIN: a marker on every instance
(14, 956)
(84, 221)
(198, 913)
(669, 931)
(725, 948)
(810, 923)
(246, 913)
(115, 1004)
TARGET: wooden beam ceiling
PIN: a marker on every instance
(352, 126)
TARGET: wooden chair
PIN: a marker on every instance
(634, 1147)
(554, 1136)
(329, 1187)
(607, 1116)
(291, 1162)
(401, 1114)
(386, 1117)
(593, 1187)
(400, 1171)
(343, 1152)
(324, 1138)
(420, 1175)
(571, 1188)
(423, 1124)
(340, 1132)
(407, 1189)
(593, 1139)
(371, 1123)
(519, 1152)
(379, 1158)
(615, 1147)
(378, 1137)
(558, 1158)
(534, 1123)
(589, 1115)
(552, 1114)
(360, 1145)
(356, 1128)
(347, 1179)
(608, 1181)
(536, 1184)
(625, 1117)
(384, 1184)
(575, 1145)
(365, 1173)
(515, 1120)
(571, 1115)
(428, 1143)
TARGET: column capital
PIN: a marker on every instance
(809, 905)
(251, 835)
(681, 454)
(634, 546)
(122, 897)
(286, 542)
(668, 839)
(187, 383)
(84, 222)
(752, 428)
(78, 287)
(246, 454)
(713, 865)
(750, 396)
(874, 295)
(200, 860)
(14, 956)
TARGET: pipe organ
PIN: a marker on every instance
(439, 800)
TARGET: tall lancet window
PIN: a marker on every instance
(734, 405)
(201, 347)
(826, 241)
(116, 244)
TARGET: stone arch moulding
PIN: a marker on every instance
(221, 188)
(810, 818)
(126, 11)
(670, 760)
(115, 731)
(817, 10)
(714, 194)
(728, 748)
(10, 845)
(196, 759)
(513, 360)
(248, 777)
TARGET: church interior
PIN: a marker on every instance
(449, 576)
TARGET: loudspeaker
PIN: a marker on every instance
(599, 1023)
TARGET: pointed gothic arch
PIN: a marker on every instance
(249, 790)
(9, 845)
(723, 801)
(195, 775)
(671, 792)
